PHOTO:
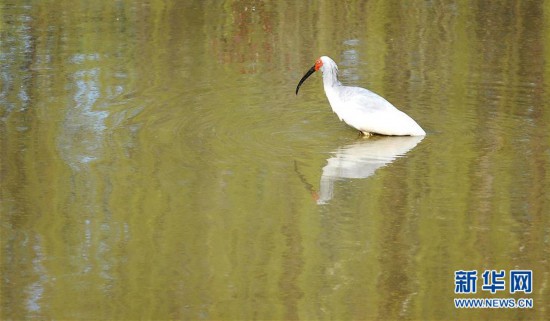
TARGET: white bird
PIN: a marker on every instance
(361, 108)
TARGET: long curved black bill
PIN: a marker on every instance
(308, 73)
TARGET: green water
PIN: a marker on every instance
(156, 163)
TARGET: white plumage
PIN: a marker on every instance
(361, 108)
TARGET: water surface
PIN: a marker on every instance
(156, 163)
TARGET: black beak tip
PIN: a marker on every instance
(308, 73)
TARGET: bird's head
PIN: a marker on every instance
(322, 63)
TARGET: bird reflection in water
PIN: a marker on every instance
(360, 159)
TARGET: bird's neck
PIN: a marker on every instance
(330, 78)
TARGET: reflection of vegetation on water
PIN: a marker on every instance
(147, 157)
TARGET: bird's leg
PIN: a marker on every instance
(365, 134)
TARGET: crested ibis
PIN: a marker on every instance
(361, 108)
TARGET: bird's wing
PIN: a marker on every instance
(370, 112)
(364, 98)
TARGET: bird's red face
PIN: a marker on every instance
(318, 64)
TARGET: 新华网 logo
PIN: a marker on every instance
(494, 281)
